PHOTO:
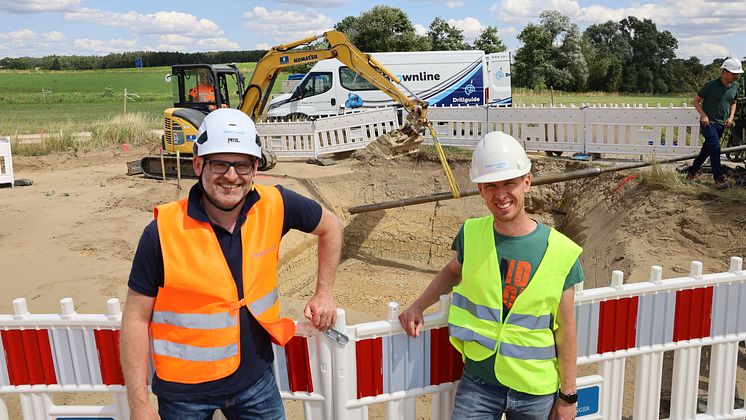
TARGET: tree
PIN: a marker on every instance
(532, 59)
(55, 64)
(555, 23)
(606, 51)
(489, 42)
(552, 54)
(568, 70)
(569, 57)
(445, 37)
(649, 69)
(382, 28)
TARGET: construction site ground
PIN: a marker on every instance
(73, 233)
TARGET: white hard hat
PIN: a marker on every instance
(497, 157)
(227, 130)
(733, 65)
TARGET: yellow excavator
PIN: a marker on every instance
(192, 103)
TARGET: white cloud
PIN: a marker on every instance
(472, 27)
(175, 42)
(38, 6)
(102, 47)
(315, 3)
(153, 23)
(263, 46)
(27, 42)
(287, 25)
(705, 51)
(454, 4)
(420, 30)
(170, 30)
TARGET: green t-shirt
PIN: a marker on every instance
(520, 256)
(717, 100)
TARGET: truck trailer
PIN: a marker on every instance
(442, 78)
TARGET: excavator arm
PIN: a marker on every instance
(401, 141)
(257, 92)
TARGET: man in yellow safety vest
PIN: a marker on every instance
(511, 314)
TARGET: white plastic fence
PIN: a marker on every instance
(73, 352)
(6, 162)
(340, 133)
(638, 130)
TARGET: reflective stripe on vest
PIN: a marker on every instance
(465, 334)
(195, 324)
(196, 321)
(193, 353)
(478, 311)
(527, 352)
(524, 344)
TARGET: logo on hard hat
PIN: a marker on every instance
(233, 140)
(496, 165)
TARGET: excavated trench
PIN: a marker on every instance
(392, 255)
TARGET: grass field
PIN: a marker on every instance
(77, 100)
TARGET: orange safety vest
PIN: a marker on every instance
(203, 93)
(195, 327)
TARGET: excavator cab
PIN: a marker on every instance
(197, 90)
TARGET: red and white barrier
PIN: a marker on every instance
(70, 352)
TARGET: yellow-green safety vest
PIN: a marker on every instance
(526, 358)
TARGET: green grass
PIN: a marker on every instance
(132, 128)
(546, 97)
(35, 118)
(79, 99)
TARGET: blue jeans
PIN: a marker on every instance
(710, 148)
(477, 399)
(259, 401)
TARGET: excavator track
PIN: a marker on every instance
(174, 167)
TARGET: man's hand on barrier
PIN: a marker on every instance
(321, 311)
(412, 321)
(562, 410)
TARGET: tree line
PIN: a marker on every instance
(630, 55)
(127, 60)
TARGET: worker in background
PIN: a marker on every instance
(204, 91)
(511, 314)
(203, 285)
(716, 104)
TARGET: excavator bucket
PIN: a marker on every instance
(403, 141)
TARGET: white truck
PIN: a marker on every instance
(442, 78)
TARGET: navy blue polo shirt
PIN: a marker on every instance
(146, 278)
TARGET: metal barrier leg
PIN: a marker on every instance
(648, 386)
(722, 381)
(613, 389)
(685, 383)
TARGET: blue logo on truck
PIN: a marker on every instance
(469, 89)
(284, 59)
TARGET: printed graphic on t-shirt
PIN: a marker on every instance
(516, 274)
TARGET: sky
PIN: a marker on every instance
(706, 29)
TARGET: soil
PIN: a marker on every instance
(73, 233)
